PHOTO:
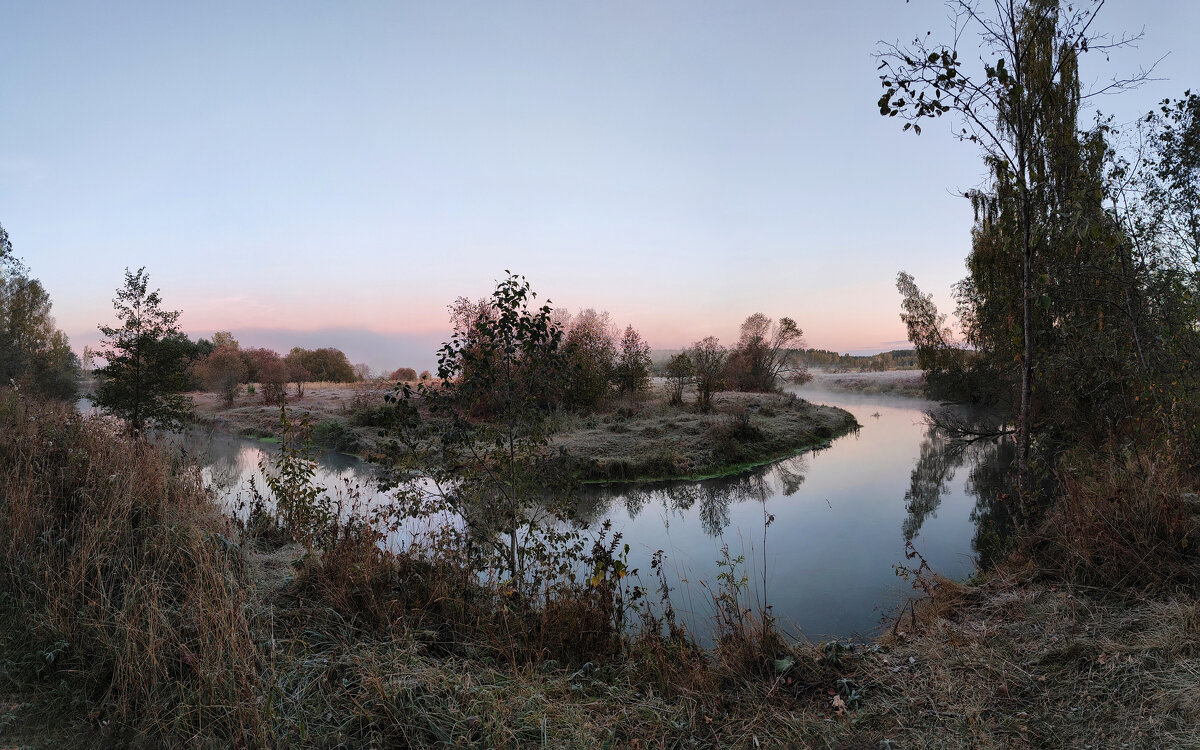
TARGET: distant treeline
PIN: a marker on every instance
(897, 359)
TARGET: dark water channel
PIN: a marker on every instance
(843, 516)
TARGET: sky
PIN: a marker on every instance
(335, 174)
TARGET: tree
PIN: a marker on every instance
(273, 376)
(362, 371)
(1022, 113)
(223, 371)
(937, 353)
(1170, 182)
(591, 351)
(406, 374)
(224, 339)
(254, 358)
(708, 357)
(145, 376)
(325, 365)
(296, 366)
(632, 371)
(6, 250)
(762, 357)
(679, 372)
(33, 352)
(490, 463)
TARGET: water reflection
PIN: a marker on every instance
(996, 512)
(843, 515)
(711, 498)
(989, 481)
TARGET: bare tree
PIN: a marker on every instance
(763, 354)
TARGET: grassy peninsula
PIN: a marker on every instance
(643, 438)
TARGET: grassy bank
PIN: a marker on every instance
(650, 440)
(633, 439)
(134, 614)
(121, 590)
(344, 416)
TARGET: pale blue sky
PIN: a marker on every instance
(350, 168)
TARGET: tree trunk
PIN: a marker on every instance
(1023, 434)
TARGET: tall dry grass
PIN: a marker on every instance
(1121, 520)
(121, 580)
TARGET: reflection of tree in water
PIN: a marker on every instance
(989, 480)
(934, 469)
(714, 497)
(217, 456)
(995, 513)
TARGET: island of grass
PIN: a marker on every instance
(643, 439)
(651, 440)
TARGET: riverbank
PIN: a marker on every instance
(153, 620)
(643, 439)
(343, 416)
(650, 440)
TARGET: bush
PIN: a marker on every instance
(333, 434)
(372, 416)
(1121, 521)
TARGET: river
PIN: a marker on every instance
(842, 516)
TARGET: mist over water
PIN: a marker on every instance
(842, 516)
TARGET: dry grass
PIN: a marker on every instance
(1007, 663)
(333, 403)
(1019, 664)
(119, 579)
(1121, 521)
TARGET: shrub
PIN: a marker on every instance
(762, 357)
(254, 359)
(333, 434)
(680, 371)
(708, 358)
(1121, 520)
(302, 507)
(326, 365)
(591, 353)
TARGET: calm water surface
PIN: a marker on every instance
(842, 516)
